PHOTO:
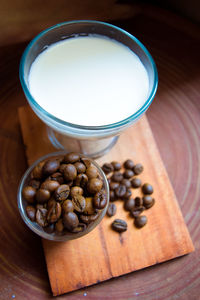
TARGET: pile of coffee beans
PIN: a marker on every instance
(123, 179)
(64, 194)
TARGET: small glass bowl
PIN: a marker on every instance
(38, 229)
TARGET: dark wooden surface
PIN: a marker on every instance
(175, 120)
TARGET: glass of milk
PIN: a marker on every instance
(87, 81)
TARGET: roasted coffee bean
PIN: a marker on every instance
(79, 203)
(59, 226)
(140, 221)
(70, 221)
(50, 228)
(147, 189)
(62, 192)
(136, 182)
(42, 195)
(107, 168)
(86, 162)
(89, 208)
(127, 195)
(94, 185)
(126, 182)
(62, 167)
(31, 211)
(50, 185)
(112, 209)
(57, 177)
(120, 191)
(116, 165)
(112, 196)
(71, 158)
(138, 168)
(54, 213)
(128, 174)
(76, 190)
(137, 211)
(39, 206)
(41, 217)
(34, 183)
(117, 176)
(148, 201)
(70, 172)
(80, 167)
(128, 164)
(50, 166)
(81, 180)
(113, 185)
(37, 172)
(138, 201)
(67, 206)
(99, 200)
(91, 172)
(51, 202)
(80, 228)
(129, 204)
(89, 218)
(29, 193)
(119, 225)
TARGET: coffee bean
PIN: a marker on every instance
(70, 172)
(41, 217)
(79, 203)
(29, 193)
(42, 195)
(94, 185)
(91, 172)
(59, 226)
(62, 192)
(54, 213)
(50, 228)
(51, 166)
(138, 201)
(138, 168)
(34, 183)
(37, 172)
(107, 168)
(81, 180)
(50, 185)
(147, 189)
(140, 221)
(112, 209)
(128, 164)
(148, 201)
(119, 225)
(50, 202)
(137, 211)
(129, 204)
(99, 200)
(112, 196)
(128, 174)
(120, 191)
(89, 208)
(136, 182)
(80, 228)
(87, 219)
(71, 158)
(86, 162)
(80, 167)
(116, 165)
(62, 167)
(113, 185)
(67, 206)
(127, 195)
(76, 190)
(31, 211)
(126, 182)
(57, 177)
(70, 221)
(117, 176)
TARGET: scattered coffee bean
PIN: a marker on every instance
(116, 165)
(50, 166)
(94, 185)
(113, 185)
(128, 174)
(128, 194)
(126, 182)
(107, 168)
(31, 211)
(71, 158)
(112, 196)
(147, 189)
(99, 200)
(120, 191)
(140, 221)
(137, 211)
(70, 221)
(138, 201)
(70, 172)
(138, 169)
(62, 192)
(111, 211)
(119, 225)
(117, 176)
(42, 195)
(29, 193)
(80, 167)
(136, 182)
(148, 201)
(128, 164)
(129, 204)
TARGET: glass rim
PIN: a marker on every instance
(61, 122)
(67, 236)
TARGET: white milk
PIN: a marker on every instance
(89, 81)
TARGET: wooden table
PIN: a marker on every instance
(175, 120)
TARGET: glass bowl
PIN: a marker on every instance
(38, 229)
(93, 141)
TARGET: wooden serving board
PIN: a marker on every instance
(103, 254)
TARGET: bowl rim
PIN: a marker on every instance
(34, 226)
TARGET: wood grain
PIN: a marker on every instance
(103, 254)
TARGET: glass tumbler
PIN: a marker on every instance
(93, 141)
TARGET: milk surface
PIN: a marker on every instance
(90, 81)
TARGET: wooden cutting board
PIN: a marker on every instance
(103, 254)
